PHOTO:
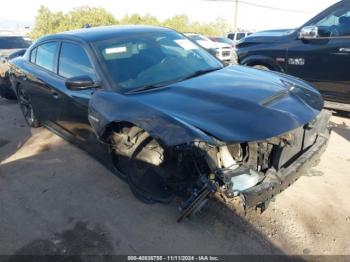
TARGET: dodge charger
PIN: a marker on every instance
(171, 119)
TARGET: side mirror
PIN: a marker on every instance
(80, 83)
(309, 32)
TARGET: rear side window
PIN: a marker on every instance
(74, 61)
(45, 55)
(33, 55)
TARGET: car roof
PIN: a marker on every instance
(94, 34)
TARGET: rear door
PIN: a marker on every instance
(325, 61)
(41, 79)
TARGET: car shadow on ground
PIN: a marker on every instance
(11, 121)
(342, 128)
(60, 201)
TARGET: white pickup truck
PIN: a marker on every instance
(223, 51)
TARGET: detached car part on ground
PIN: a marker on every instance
(169, 118)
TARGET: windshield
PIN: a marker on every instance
(12, 42)
(152, 58)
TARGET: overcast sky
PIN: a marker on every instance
(249, 17)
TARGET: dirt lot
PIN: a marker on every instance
(54, 198)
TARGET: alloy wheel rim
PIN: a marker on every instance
(26, 107)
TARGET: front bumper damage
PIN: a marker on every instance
(277, 181)
(283, 166)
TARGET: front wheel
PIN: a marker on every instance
(141, 159)
(27, 108)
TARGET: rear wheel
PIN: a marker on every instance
(141, 159)
(27, 108)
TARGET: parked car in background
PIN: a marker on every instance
(318, 51)
(222, 39)
(11, 46)
(225, 40)
(169, 118)
(237, 36)
(223, 51)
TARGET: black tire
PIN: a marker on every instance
(261, 67)
(140, 158)
(27, 108)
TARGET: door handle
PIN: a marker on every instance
(55, 95)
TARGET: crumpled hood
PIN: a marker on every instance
(237, 103)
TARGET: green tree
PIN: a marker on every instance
(47, 22)
(94, 16)
(136, 19)
(180, 23)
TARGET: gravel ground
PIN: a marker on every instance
(56, 199)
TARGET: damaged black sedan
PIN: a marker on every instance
(171, 119)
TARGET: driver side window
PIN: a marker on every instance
(336, 24)
(74, 61)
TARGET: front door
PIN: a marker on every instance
(73, 61)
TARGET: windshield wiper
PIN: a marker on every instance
(196, 73)
(149, 87)
(202, 72)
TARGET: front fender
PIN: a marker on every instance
(262, 60)
(107, 107)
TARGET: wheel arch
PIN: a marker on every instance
(262, 60)
(164, 136)
(114, 126)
